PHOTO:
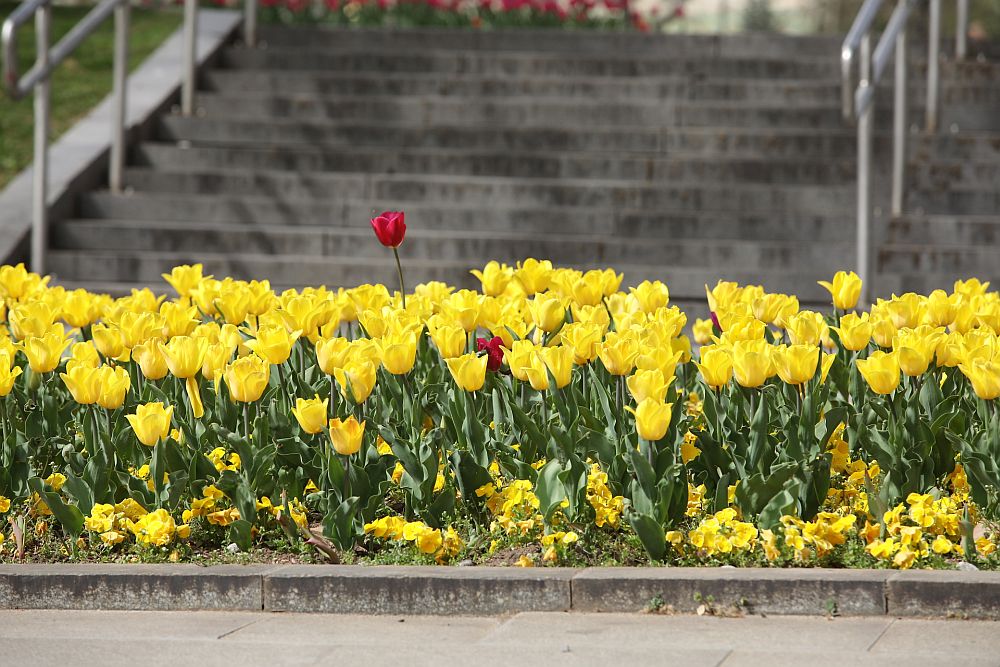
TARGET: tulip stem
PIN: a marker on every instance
(246, 421)
(347, 478)
(399, 270)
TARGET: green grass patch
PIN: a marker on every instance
(79, 83)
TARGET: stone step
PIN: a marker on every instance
(969, 230)
(771, 142)
(290, 270)
(516, 64)
(957, 260)
(530, 112)
(955, 200)
(397, 190)
(962, 146)
(639, 89)
(944, 174)
(622, 222)
(546, 40)
(473, 247)
(499, 163)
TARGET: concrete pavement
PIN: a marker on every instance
(205, 639)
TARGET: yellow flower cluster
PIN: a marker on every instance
(719, 533)
(443, 545)
(607, 507)
(114, 522)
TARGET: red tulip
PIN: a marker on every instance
(390, 228)
(493, 352)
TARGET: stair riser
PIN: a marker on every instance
(398, 192)
(491, 64)
(960, 262)
(761, 144)
(674, 225)
(597, 90)
(542, 41)
(498, 164)
(418, 113)
(473, 251)
(683, 283)
(945, 232)
(976, 202)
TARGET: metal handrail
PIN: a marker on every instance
(37, 80)
(858, 101)
(189, 78)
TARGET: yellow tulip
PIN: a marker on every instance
(649, 296)
(311, 414)
(80, 308)
(136, 328)
(984, 376)
(618, 353)
(462, 308)
(273, 343)
(971, 287)
(151, 422)
(796, 364)
(826, 363)
(84, 354)
(583, 338)
(855, 331)
(881, 371)
(662, 359)
(645, 384)
(185, 278)
(7, 374)
(151, 359)
(752, 363)
(915, 348)
(942, 308)
(399, 352)
(246, 378)
(494, 277)
(346, 435)
(331, 353)
(193, 390)
(950, 350)
(741, 327)
(547, 312)
(107, 340)
(534, 275)
(652, 419)
(845, 289)
(361, 375)
(558, 361)
(30, 319)
(83, 382)
(179, 319)
(905, 311)
(520, 358)
(217, 357)
(45, 352)
(805, 328)
(716, 365)
(883, 329)
(595, 315)
(468, 371)
(450, 340)
(114, 385)
(702, 330)
(767, 307)
(185, 355)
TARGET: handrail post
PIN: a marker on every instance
(933, 65)
(250, 22)
(962, 30)
(865, 172)
(40, 182)
(899, 127)
(190, 40)
(117, 165)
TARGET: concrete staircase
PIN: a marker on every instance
(686, 159)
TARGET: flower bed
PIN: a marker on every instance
(551, 417)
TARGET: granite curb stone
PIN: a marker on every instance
(952, 594)
(418, 590)
(491, 591)
(132, 587)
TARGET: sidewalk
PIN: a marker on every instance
(205, 639)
